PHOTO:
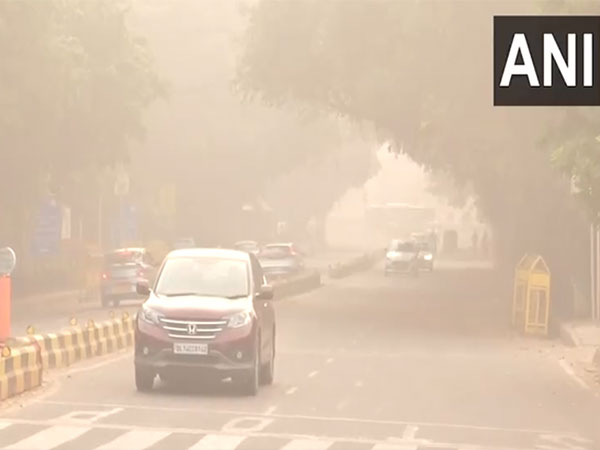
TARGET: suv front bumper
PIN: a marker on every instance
(224, 359)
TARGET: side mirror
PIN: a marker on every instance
(266, 292)
(142, 288)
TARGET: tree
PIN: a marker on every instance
(420, 71)
(218, 149)
(73, 85)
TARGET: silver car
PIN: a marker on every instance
(280, 260)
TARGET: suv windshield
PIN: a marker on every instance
(402, 247)
(211, 277)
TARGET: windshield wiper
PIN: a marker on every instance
(233, 297)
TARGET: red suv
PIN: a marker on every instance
(209, 312)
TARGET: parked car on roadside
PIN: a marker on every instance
(281, 259)
(402, 257)
(209, 313)
(122, 270)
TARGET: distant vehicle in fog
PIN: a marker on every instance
(122, 270)
(281, 259)
(184, 243)
(402, 257)
(426, 250)
(248, 246)
(209, 313)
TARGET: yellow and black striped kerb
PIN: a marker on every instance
(113, 335)
(20, 371)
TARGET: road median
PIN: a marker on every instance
(20, 370)
(355, 265)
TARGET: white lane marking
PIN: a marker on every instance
(295, 416)
(329, 360)
(569, 371)
(291, 390)
(330, 438)
(49, 438)
(4, 425)
(395, 446)
(270, 410)
(218, 442)
(88, 416)
(358, 384)
(313, 374)
(307, 444)
(248, 424)
(410, 432)
(135, 440)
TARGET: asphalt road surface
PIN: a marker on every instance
(365, 362)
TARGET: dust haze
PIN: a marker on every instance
(349, 152)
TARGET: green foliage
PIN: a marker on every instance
(73, 86)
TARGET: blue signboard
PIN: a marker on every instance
(47, 229)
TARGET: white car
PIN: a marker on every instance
(402, 257)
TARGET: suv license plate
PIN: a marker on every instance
(190, 349)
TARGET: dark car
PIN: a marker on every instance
(280, 260)
(209, 313)
(122, 270)
(402, 257)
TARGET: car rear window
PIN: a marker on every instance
(123, 257)
(279, 251)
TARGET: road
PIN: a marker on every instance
(53, 312)
(365, 362)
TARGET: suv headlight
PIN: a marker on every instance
(150, 316)
(239, 320)
(428, 257)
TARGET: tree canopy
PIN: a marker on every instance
(421, 72)
(73, 87)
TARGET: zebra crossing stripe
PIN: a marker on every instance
(399, 446)
(48, 438)
(307, 444)
(135, 440)
(218, 442)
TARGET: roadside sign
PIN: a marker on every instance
(47, 229)
(8, 260)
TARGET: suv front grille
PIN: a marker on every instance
(192, 329)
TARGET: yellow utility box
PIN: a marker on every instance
(531, 298)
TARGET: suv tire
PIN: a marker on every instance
(144, 379)
(251, 380)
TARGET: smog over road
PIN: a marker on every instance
(300, 224)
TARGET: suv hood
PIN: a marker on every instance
(196, 307)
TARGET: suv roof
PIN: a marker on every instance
(209, 252)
